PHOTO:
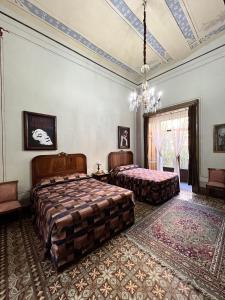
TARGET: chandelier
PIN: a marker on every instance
(145, 95)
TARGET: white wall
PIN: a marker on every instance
(202, 79)
(89, 102)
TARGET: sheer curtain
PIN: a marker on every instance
(175, 122)
(179, 128)
(158, 128)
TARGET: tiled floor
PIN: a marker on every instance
(185, 187)
(117, 270)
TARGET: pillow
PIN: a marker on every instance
(124, 168)
(54, 179)
(75, 176)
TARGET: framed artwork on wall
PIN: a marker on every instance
(123, 137)
(40, 132)
(219, 138)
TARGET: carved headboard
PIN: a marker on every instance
(57, 165)
(119, 158)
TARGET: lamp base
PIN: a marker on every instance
(99, 172)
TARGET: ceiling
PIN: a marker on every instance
(110, 32)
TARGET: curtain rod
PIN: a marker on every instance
(170, 112)
(172, 108)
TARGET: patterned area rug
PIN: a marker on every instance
(190, 238)
(120, 269)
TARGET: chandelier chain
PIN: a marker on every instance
(144, 95)
(144, 22)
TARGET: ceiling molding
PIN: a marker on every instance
(66, 47)
(187, 62)
(110, 32)
(44, 16)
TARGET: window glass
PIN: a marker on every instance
(168, 148)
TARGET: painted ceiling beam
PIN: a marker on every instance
(44, 16)
(182, 21)
(127, 14)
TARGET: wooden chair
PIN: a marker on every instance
(9, 197)
(216, 181)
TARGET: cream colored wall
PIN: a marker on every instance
(43, 77)
(203, 79)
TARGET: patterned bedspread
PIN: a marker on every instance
(74, 216)
(149, 185)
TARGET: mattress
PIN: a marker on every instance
(73, 216)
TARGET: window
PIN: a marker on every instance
(168, 144)
(168, 139)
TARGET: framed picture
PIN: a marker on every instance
(40, 131)
(219, 138)
(123, 137)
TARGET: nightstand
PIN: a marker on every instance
(104, 177)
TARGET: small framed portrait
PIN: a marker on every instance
(40, 132)
(219, 138)
(123, 137)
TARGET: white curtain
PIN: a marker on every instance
(179, 127)
(158, 133)
(177, 123)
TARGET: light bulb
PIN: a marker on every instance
(152, 91)
(159, 94)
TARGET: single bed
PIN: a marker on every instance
(75, 213)
(148, 185)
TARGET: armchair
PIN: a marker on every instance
(216, 180)
(9, 197)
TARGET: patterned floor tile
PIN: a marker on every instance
(118, 270)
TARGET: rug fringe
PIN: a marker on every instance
(180, 275)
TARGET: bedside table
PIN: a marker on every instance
(104, 177)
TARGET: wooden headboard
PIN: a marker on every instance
(57, 165)
(119, 158)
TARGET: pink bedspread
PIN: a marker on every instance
(147, 185)
(146, 174)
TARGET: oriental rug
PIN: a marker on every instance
(189, 238)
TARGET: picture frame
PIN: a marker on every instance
(123, 137)
(40, 131)
(219, 138)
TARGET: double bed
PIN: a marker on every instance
(75, 213)
(148, 185)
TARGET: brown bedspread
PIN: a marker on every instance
(75, 216)
(149, 185)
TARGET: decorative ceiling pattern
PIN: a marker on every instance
(110, 32)
(69, 31)
(138, 26)
(182, 21)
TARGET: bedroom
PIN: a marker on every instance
(45, 70)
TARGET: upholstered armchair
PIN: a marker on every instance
(216, 180)
(9, 197)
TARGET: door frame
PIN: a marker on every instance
(196, 187)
